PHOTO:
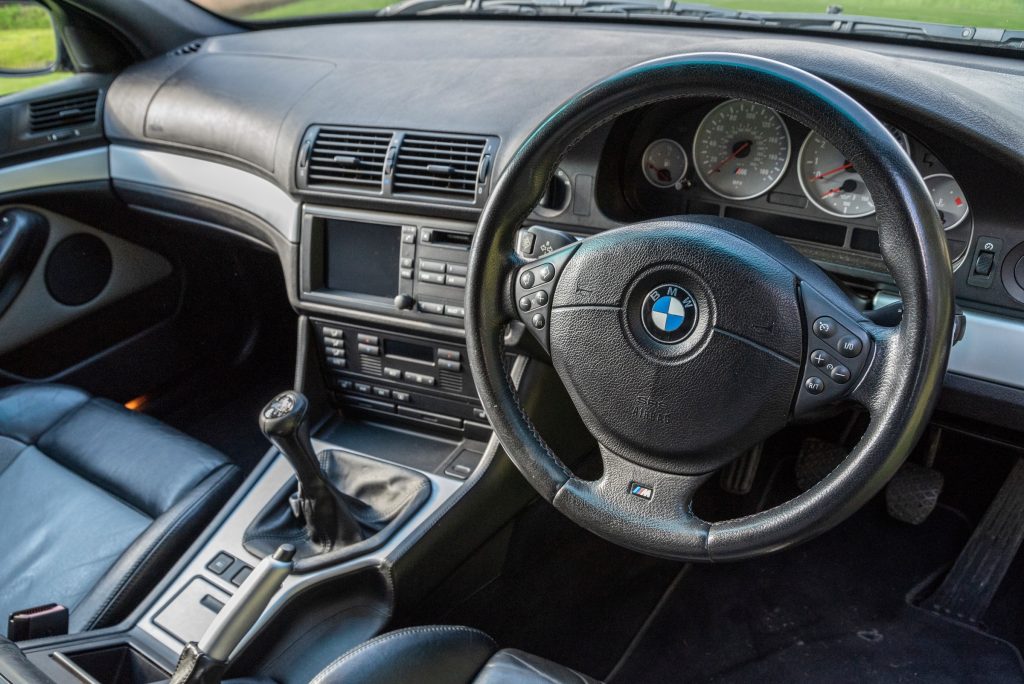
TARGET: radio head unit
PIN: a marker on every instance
(384, 262)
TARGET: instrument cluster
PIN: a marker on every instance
(738, 153)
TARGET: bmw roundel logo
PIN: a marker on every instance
(669, 313)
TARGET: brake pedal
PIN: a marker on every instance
(739, 477)
(817, 458)
(913, 493)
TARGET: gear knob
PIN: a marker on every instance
(284, 415)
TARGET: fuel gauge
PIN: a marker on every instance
(948, 198)
(665, 163)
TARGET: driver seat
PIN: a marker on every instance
(443, 654)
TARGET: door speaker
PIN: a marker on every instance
(78, 269)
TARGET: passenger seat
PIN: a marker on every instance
(96, 502)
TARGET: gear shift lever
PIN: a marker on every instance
(285, 422)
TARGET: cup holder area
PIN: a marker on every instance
(115, 664)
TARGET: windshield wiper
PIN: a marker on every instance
(682, 12)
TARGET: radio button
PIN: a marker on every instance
(393, 373)
(419, 379)
(435, 418)
(447, 365)
(363, 388)
(336, 333)
(432, 266)
(455, 281)
(458, 269)
(334, 342)
(337, 364)
(428, 277)
(363, 338)
(382, 392)
(406, 273)
(407, 262)
(398, 395)
(454, 311)
(369, 349)
(449, 354)
(431, 308)
(335, 353)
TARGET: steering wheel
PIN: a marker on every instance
(685, 341)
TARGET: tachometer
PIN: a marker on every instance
(948, 199)
(830, 181)
(741, 149)
(665, 163)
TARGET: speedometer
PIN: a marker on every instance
(741, 149)
(830, 181)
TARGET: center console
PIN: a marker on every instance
(382, 279)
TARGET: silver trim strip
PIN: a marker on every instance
(75, 167)
(219, 182)
(992, 348)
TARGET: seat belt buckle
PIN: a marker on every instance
(34, 623)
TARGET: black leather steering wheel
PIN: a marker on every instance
(685, 341)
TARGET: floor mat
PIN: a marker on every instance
(832, 610)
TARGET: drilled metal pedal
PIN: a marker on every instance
(817, 458)
(913, 492)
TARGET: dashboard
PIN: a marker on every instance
(318, 145)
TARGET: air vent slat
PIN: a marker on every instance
(75, 109)
(439, 166)
(344, 157)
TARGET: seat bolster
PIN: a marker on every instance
(438, 654)
(511, 666)
(138, 459)
(28, 411)
(16, 668)
(149, 557)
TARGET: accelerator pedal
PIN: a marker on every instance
(817, 458)
(913, 492)
(968, 589)
(738, 478)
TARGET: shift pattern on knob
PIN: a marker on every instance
(279, 406)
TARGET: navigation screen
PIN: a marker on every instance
(362, 257)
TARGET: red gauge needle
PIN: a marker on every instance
(725, 161)
(833, 190)
(826, 174)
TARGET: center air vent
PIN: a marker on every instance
(439, 165)
(67, 110)
(347, 158)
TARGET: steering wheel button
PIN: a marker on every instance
(820, 358)
(538, 321)
(541, 297)
(840, 374)
(525, 303)
(546, 272)
(526, 279)
(815, 385)
(825, 327)
(849, 346)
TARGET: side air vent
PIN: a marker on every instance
(347, 158)
(187, 48)
(445, 166)
(67, 110)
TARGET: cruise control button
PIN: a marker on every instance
(849, 346)
(825, 327)
(840, 374)
(815, 385)
(546, 272)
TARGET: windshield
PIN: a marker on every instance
(1003, 14)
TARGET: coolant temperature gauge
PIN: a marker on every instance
(948, 198)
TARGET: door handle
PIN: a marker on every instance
(23, 236)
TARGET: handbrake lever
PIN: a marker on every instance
(204, 662)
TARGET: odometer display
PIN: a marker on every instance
(741, 149)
